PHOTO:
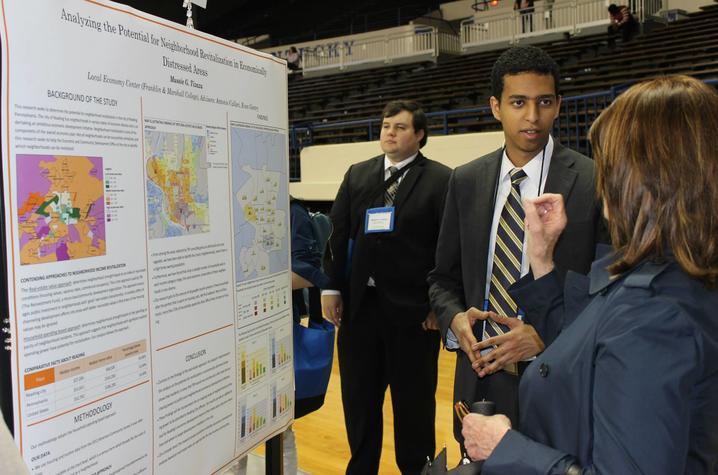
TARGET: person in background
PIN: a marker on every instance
(526, 9)
(293, 59)
(386, 220)
(630, 384)
(622, 21)
(306, 255)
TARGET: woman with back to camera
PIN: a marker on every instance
(630, 385)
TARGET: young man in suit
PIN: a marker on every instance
(386, 219)
(481, 248)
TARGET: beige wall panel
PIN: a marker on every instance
(323, 166)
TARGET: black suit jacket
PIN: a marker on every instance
(459, 279)
(398, 261)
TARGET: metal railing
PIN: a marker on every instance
(422, 43)
(645, 9)
(544, 17)
(576, 116)
(562, 16)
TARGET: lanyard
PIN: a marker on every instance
(365, 201)
(384, 185)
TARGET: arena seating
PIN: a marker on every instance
(588, 64)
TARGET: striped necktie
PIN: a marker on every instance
(390, 192)
(507, 256)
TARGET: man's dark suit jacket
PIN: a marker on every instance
(398, 261)
(459, 279)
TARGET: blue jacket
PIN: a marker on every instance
(629, 385)
(306, 256)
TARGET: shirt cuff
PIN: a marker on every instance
(331, 292)
(451, 343)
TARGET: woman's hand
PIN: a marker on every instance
(483, 433)
(545, 221)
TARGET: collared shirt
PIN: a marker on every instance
(535, 179)
(529, 189)
(387, 163)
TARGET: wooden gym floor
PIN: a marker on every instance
(322, 440)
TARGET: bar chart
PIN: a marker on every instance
(252, 359)
(281, 344)
(252, 413)
(282, 396)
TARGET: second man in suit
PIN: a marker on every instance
(386, 219)
(481, 248)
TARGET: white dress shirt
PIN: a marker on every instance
(531, 187)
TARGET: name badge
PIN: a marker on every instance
(379, 220)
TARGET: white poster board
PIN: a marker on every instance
(145, 180)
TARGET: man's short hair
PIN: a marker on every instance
(522, 59)
(613, 8)
(418, 118)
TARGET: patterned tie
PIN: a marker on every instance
(390, 192)
(507, 258)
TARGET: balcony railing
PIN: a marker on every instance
(424, 43)
(563, 16)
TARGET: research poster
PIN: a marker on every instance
(146, 214)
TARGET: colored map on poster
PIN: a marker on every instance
(61, 208)
(259, 207)
(177, 190)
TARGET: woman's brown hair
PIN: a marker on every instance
(656, 153)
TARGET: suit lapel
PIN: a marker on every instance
(369, 183)
(408, 182)
(561, 175)
(482, 212)
(480, 207)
